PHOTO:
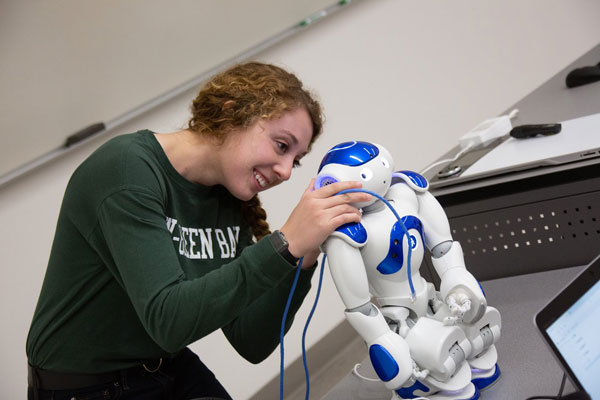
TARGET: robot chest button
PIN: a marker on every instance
(394, 260)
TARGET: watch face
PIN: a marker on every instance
(283, 239)
(279, 241)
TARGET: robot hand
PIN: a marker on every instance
(418, 373)
(463, 295)
(458, 288)
(459, 304)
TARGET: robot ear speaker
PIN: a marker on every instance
(324, 180)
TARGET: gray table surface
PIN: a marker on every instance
(528, 368)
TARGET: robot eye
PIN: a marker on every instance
(366, 174)
(385, 162)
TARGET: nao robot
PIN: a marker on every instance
(421, 342)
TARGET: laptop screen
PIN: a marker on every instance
(575, 335)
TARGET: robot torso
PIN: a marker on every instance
(386, 253)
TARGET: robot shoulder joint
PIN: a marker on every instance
(414, 180)
(354, 234)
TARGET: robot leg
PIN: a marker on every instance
(441, 350)
(482, 335)
(435, 390)
(388, 351)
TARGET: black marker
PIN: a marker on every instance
(84, 133)
(528, 131)
(583, 76)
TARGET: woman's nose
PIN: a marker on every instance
(284, 169)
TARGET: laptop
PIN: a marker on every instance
(570, 326)
(578, 141)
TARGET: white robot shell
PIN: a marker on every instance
(374, 174)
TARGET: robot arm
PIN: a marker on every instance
(348, 271)
(388, 351)
(458, 288)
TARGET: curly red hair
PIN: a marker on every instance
(241, 95)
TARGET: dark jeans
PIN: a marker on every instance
(183, 378)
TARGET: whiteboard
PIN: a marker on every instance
(67, 64)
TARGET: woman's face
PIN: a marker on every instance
(263, 155)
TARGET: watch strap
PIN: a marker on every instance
(280, 244)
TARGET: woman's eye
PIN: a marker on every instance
(296, 164)
(282, 146)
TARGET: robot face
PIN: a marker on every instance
(364, 162)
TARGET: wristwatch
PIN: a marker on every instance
(281, 246)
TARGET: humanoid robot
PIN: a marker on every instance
(421, 342)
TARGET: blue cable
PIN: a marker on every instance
(410, 283)
(285, 312)
(312, 311)
(287, 306)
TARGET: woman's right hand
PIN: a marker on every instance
(318, 213)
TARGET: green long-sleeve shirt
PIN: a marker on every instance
(144, 263)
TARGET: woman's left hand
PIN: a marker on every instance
(317, 214)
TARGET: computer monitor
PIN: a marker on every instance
(570, 326)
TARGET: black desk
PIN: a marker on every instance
(551, 102)
(535, 220)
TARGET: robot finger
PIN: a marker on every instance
(458, 303)
(419, 373)
(466, 306)
(464, 303)
(451, 302)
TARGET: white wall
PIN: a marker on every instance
(412, 76)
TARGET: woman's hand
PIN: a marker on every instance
(318, 214)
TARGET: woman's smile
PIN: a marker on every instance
(262, 181)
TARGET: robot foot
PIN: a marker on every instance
(483, 379)
(420, 391)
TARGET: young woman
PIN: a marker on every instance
(161, 240)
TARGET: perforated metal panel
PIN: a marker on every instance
(526, 226)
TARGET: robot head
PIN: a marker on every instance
(364, 162)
